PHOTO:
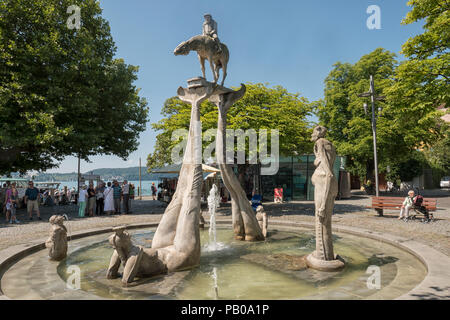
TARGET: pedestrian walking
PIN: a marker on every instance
(82, 198)
(91, 199)
(117, 193)
(109, 199)
(2, 197)
(154, 191)
(132, 189)
(73, 195)
(126, 196)
(11, 200)
(100, 198)
(32, 198)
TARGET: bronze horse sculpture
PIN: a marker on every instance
(206, 49)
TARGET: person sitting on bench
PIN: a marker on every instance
(256, 201)
(419, 207)
(407, 205)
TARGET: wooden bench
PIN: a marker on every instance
(395, 203)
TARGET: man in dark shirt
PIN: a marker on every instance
(32, 197)
(99, 209)
(117, 192)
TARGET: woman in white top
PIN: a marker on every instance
(109, 199)
(82, 201)
(407, 205)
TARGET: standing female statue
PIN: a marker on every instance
(325, 191)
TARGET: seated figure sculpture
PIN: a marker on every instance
(261, 216)
(57, 242)
(137, 261)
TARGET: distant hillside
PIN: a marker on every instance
(107, 174)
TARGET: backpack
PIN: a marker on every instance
(418, 200)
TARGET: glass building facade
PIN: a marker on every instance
(294, 176)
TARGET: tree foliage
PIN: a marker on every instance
(61, 91)
(349, 126)
(438, 154)
(427, 71)
(414, 89)
(422, 82)
(262, 107)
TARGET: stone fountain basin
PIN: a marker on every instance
(26, 272)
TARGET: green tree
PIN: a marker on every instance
(422, 82)
(61, 90)
(261, 108)
(349, 126)
(438, 154)
(406, 170)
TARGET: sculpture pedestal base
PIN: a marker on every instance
(324, 265)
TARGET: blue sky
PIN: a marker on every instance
(292, 43)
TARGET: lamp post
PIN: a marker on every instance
(373, 98)
(140, 181)
(78, 180)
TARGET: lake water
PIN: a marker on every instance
(146, 186)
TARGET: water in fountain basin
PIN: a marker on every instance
(216, 287)
(242, 271)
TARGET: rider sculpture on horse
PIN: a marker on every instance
(208, 47)
(210, 29)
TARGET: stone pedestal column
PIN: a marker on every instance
(245, 224)
(178, 231)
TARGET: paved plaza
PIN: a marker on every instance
(349, 212)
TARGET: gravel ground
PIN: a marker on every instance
(350, 212)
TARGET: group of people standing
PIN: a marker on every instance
(105, 198)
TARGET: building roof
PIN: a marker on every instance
(175, 168)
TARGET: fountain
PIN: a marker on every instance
(213, 204)
(242, 271)
(176, 266)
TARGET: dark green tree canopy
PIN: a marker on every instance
(414, 88)
(262, 107)
(61, 90)
(422, 82)
(343, 114)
